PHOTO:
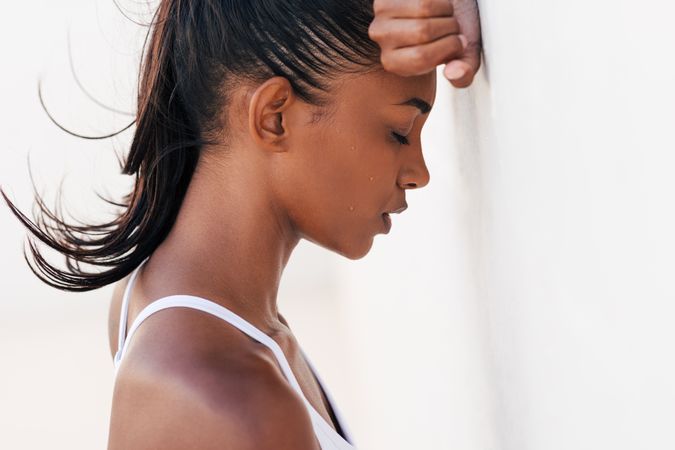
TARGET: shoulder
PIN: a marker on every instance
(188, 398)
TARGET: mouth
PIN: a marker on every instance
(386, 219)
(399, 210)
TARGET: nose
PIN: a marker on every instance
(414, 173)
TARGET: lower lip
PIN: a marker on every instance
(387, 222)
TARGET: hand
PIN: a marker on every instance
(415, 37)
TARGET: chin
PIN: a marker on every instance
(357, 252)
(350, 246)
(351, 251)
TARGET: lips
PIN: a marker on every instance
(386, 220)
(398, 210)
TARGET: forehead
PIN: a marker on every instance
(379, 86)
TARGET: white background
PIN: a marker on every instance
(571, 137)
(524, 301)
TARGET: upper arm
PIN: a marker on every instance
(202, 409)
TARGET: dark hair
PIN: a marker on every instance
(195, 51)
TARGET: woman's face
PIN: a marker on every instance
(350, 166)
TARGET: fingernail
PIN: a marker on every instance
(464, 41)
(453, 72)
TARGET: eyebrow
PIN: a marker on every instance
(418, 103)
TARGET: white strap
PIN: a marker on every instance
(207, 306)
(124, 311)
(338, 415)
(202, 304)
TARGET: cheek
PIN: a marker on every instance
(356, 170)
(344, 181)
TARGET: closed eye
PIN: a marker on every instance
(401, 139)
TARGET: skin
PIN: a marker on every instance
(286, 171)
(417, 36)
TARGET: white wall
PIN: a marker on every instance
(56, 373)
(575, 148)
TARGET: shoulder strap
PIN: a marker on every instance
(346, 433)
(207, 306)
(124, 311)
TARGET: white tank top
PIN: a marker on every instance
(326, 435)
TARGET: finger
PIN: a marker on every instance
(461, 72)
(421, 59)
(413, 8)
(394, 33)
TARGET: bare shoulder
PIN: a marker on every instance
(170, 397)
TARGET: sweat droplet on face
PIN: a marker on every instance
(372, 178)
(351, 208)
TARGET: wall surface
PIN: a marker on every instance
(571, 131)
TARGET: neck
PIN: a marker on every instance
(232, 242)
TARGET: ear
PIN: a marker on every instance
(266, 113)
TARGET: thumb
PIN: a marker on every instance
(461, 72)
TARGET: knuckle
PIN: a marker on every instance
(375, 31)
(393, 65)
(387, 63)
(422, 30)
(380, 6)
(425, 7)
(418, 59)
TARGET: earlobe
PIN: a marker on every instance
(267, 107)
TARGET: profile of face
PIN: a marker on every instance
(335, 170)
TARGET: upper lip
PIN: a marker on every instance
(399, 210)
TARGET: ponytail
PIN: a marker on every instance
(163, 156)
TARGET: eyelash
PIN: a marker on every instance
(401, 139)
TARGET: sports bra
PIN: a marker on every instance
(328, 437)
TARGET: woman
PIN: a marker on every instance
(258, 124)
